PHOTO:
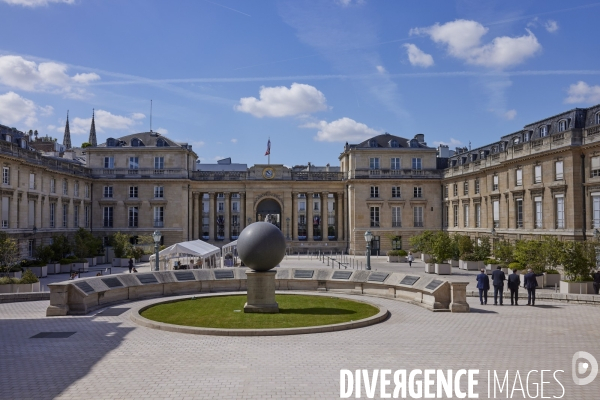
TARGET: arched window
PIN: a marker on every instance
(526, 136)
(135, 142)
(414, 143)
(597, 118)
(162, 143)
(543, 130)
(110, 142)
(516, 140)
(562, 125)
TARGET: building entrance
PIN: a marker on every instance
(269, 207)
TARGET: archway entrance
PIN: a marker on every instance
(269, 207)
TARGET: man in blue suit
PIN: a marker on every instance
(530, 283)
(514, 281)
(498, 279)
(483, 284)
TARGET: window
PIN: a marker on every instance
(5, 175)
(301, 206)
(133, 217)
(65, 215)
(526, 136)
(543, 130)
(537, 174)
(596, 212)
(134, 163)
(374, 191)
(466, 215)
(418, 217)
(86, 216)
(396, 217)
(466, 188)
(496, 213)
(87, 191)
(455, 215)
(416, 163)
(477, 186)
(162, 143)
(220, 206)
(76, 189)
(393, 143)
(316, 206)
(52, 185)
(159, 162)
(595, 166)
(495, 182)
(597, 119)
(455, 189)
(417, 192)
(537, 201)
(446, 216)
(372, 143)
(76, 216)
(133, 192)
(109, 162)
(158, 192)
(5, 211)
(519, 213)
(560, 211)
(30, 247)
(31, 181)
(65, 187)
(519, 177)
(374, 163)
(446, 191)
(107, 215)
(159, 217)
(31, 214)
(375, 217)
(234, 206)
(559, 171)
(52, 215)
(108, 191)
(395, 163)
(396, 192)
(135, 142)
(562, 125)
(477, 215)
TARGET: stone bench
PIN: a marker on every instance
(82, 296)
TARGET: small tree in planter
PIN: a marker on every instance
(529, 253)
(422, 244)
(552, 249)
(86, 246)
(121, 246)
(504, 252)
(61, 247)
(465, 247)
(455, 251)
(441, 251)
(9, 253)
(396, 255)
(136, 252)
(578, 260)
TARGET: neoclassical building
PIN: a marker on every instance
(544, 179)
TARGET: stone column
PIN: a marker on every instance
(23, 211)
(309, 216)
(13, 215)
(71, 210)
(211, 216)
(227, 215)
(286, 226)
(197, 215)
(38, 212)
(339, 219)
(458, 297)
(324, 215)
(242, 211)
(295, 215)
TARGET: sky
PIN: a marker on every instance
(227, 75)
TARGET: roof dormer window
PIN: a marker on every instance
(393, 143)
(562, 125)
(543, 130)
(162, 143)
(597, 119)
(135, 142)
(526, 136)
(516, 141)
(372, 143)
(8, 138)
(110, 142)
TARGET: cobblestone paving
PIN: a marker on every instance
(112, 358)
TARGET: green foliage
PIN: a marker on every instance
(5, 280)
(515, 265)
(455, 250)
(469, 257)
(551, 247)
(44, 254)
(85, 244)
(578, 260)
(441, 247)
(28, 277)
(60, 247)
(552, 272)
(121, 245)
(491, 261)
(482, 248)
(400, 253)
(504, 252)
(145, 240)
(9, 252)
(136, 252)
(530, 255)
(422, 243)
(85, 145)
(465, 245)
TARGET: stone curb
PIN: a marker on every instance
(135, 316)
(593, 299)
(20, 297)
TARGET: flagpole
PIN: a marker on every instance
(269, 159)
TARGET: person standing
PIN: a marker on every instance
(597, 281)
(530, 283)
(483, 284)
(410, 259)
(130, 265)
(498, 279)
(514, 281)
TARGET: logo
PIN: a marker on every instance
(580, 367)
(268, 173)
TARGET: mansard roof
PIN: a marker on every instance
(387, 140)
(149, 139)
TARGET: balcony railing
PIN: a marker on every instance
(365, 173)
(142, 172)
(36, 158)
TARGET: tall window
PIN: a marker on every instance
(5, 212)
(477, 186)
(375, 217)
(86, 216)
(220, 206)
(519, 177)
(109, 162)
(466, 215)
(562, 125)
(395, 191)
(560, 211)
(417, 192)
(477, 215)
(466, 188)
(595, 166)
(455, 215)
(446, 216)
(416, 163)
(519, 212)
(455, 189)
(374, 163)
(537, 201)
(537, 174)
(133, 192)
(396, 217)
(158, 192)
(76, 189)
(65, 187)
(395, 163)
(30, 247)
(159, 214)
(446, 191)
(496, 212)
(543, 130)
(596, 211)
(374, 191)
(5, 175)
(65, 215)
(301, 206)
(52, 215)
(495, 182)
(31, 215)
(559, 170)
(108, 191)
(87, 191)
(418, 217)
(159, 162)
(597, 118)
(52, 185)
(76, 216)
(133, 217)
(31, 181)
(134, 163)
(107, 217)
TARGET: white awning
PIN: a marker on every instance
(195, 248)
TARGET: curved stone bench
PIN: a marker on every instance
(82, 296)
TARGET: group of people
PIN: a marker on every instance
(513, 281)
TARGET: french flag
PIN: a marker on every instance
(268, 148)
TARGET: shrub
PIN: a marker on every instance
(121, 244)
(489, 261)
(5, 280)
(9, 251)
(578, 260)
(469, 257)
(402, 253)
(504, 252)
(482, 248)
(530, 255)
(515, 265)
(66, 261)
(60, 247)
(136, 253)
(552, 272)
(422, 243)
(465, 246)
(441, 247)
(29, 277)
(44, 254)
(393, 253)
(85, 244)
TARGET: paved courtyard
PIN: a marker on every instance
(109, 357)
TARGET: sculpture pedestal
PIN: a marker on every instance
(261, 292)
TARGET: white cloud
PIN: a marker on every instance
(463, 40)
(15, 109)
(17, 72)
(510, 114)
(381, 69)
(581, 92)
(105, 121)
(234, 141)
(551, 26)
(162, 131)
(417, 57)
(341, 130)
(452, 143)
(280, 101)
(36, 3)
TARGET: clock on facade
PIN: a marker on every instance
(268, 173)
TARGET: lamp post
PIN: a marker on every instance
(287, 220)
(597, 247)
(156, 236)
(368, 238)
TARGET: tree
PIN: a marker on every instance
(530, 255)
(465, 245)
(552, 250)
(85, 244)
(578, 259)
(482, 248)
(121, 245)
(504, 252)
(44, 254)
(441, 247)
(422, 243)
(61, 247)
(85, 144)
(9, 252)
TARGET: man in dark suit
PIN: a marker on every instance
(596, 277)
(498, 279)
(514, 281)
(483, 284)
(530, 283)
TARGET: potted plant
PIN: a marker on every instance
(530, 255)
(491, 264)
(66, 264)
(503, 252)
(465, 249)
(552, 248)
(136, 253)
(578, 260)
(27, 283)
(515, 266)
(9, 253)
(44, 255)
(396, 255)
(422, 244)
(38, 267)
(86, 246)
(147, 243)
(454, 259)
(121, 246)
(441, 250)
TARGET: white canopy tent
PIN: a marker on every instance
(194, 254)
(230, 254)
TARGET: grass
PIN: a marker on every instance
(294, 311)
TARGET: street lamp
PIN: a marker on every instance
(368, 238)
(287, 220)
(156, 236)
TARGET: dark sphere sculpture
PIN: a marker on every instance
(261, 246)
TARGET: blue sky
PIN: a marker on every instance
(225, 75)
